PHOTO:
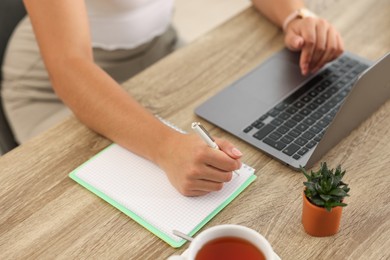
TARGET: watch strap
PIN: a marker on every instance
(297, 14)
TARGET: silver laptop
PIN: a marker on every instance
(297, 119)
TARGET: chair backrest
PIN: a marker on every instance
(11, 12)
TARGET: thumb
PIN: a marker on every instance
(293, 41)
(229, 149)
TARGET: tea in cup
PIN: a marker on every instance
(228, 242)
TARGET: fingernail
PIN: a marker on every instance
(298, 42)
(305, 69)
(236, 152)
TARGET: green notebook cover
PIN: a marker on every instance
(141, 190)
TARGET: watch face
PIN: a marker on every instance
(303, 12)
(300, 13)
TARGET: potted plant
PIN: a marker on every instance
(323, 199)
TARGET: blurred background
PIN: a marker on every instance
(193, 18)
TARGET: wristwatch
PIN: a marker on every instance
(297, 14)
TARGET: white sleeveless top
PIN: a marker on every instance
(125, 24)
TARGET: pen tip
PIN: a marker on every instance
(194, 124)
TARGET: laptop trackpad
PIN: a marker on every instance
(272, 81)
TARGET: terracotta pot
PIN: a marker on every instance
(319, 222)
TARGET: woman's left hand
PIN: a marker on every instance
(318, 41)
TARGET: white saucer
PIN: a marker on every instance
(276, 256)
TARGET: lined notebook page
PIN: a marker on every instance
(141, 190)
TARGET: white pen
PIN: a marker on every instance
(202, 132)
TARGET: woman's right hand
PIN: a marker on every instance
(194, 168)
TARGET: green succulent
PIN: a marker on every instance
(325, 187)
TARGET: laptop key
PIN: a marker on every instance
(308, 135)
(305, 111)
(332, 90)
(277, 122)
(338, 98)
(248, 129)
(275, 135)
(316, 115)
(313, 93)
(273, 112)
(258, 124)
(328, 117)
(324, 109)
(333, 78)
(322, 123)
(315, 129)
(325, 96)
(317, 138)
(341, 83)
(319, 101)
(263, 117)
(290, 123)
(309, 121)
(296, 156)
(284, 116)
(299, 104)
(282, 129)
(311, 144)
(326, 83)
(303, 151)
(306, 99)
(275, 144)
(333, 112)
(312, 106)
(294, 133)
(330, 104)
(263, 132)
(301, 127)
(287, 139)
(297, 117)
(291, 110)
(291, 149)
(314, 81)
(327, 71)
(281, 106)
(320, 88)
(301, 141)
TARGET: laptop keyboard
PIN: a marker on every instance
(297, 124)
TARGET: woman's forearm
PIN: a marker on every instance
(277, 10)
(101, 104)
(63, 35)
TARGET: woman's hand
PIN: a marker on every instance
(318, 41)
(195, 169)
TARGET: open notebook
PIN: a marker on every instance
(141, 190)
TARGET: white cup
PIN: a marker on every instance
(227, 230)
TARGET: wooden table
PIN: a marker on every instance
(44, 214)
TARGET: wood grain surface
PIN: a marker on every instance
(46, 215)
